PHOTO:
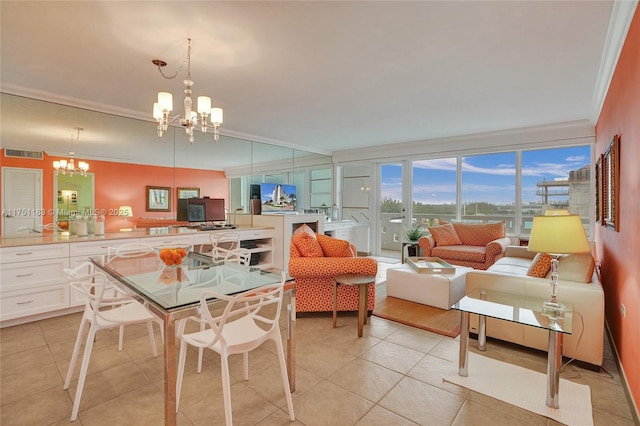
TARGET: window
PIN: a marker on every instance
(488, 189)
(434, 190)
(558, 178)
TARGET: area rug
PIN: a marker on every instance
(526, 389)
(417, 315)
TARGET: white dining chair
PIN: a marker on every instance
(249, 319)
(129, 250)
(222, 242)
(101, 312)
(241, 256)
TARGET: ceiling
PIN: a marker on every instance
(319, 76)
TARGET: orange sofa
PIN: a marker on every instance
(476, 245)
(314, 275)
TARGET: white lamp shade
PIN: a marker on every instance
(157, 112)
(216, 115)
(165, 101)
(125, 211)
(56, 164)
(561, 234)
(204, 104)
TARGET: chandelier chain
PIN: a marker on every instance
(187, 60)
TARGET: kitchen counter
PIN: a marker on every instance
(49, 237)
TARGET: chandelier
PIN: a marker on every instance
(69, 166)
(189, 120)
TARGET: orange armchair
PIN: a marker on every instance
(314, 278)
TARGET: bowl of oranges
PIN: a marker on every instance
(172, 255)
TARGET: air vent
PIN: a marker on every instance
(19, 153)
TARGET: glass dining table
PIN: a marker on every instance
(173, 293)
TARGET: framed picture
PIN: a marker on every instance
(158, 199)
(598, 182)
(188, 193)
(610, 184)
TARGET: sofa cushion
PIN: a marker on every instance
(334, 247)
(445, 235)
(511, 265)
(460, 253)
(307, 245)
(576, 267)
(479, 234)
(540, 266)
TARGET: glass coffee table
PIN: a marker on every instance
(522, 310)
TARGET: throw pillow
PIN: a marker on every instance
(334, 247)
(304, 228)
(307, 245)
(540, 266)
(445, 235)
(479, 234)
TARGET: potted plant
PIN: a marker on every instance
(414, 233)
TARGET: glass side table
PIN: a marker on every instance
(522, 310)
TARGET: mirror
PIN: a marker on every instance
(72, 195)
(111, 143)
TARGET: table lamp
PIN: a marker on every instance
(126, 212)
(557, 233)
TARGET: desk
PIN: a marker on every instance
(523, 310)
(174, 293)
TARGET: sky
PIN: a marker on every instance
(489, 178)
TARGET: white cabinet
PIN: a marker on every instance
(283, 226)
(33, 285)
(185, 239)
(32, 280)
(258, 241)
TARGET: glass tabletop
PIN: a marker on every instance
(176, 287)
(517, 308)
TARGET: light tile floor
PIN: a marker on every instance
(391, 376)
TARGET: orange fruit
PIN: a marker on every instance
(182, 252)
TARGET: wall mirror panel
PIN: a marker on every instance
(108, 140)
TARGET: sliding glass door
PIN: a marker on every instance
(393, 211)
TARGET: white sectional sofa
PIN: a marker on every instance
(578, 284)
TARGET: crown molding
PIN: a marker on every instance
(621, 16)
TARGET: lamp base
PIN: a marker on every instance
(552, 309)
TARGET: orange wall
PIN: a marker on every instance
(118, 184)
(620, 251)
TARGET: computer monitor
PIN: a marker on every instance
(215, 209)
(196, 210)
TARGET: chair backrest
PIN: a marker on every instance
(226, 241)
(92, 285)
(247, 304)
(129, 249)
(240, 255)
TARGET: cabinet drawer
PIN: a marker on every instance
(155, 241)
(19, 276)
(92, 248)
(256, 234)
(31, 253)
(21, 303)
